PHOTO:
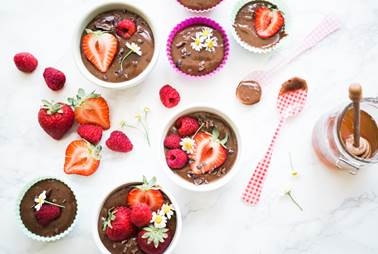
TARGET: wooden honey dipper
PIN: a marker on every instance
(355, 144)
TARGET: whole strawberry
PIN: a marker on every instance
(46, 214)
(25, 62)
(54, 78)
(55, 118)
(152, 240)
(119, 142)
(141, 214)
(90, 132)
(117, 225)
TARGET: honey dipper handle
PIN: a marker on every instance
(355, 94)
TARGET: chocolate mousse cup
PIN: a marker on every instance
(135, 68)
(243, 30)
(197, 47)
(56, 191)
(199, 6)
(118, 197)
(208, 119)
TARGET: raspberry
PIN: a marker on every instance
(46, 214)
(176, 158)
(54, 78)
(141, 215)
(172, 141)
(25, 62)
(169, 96)
(126, 28)
(187, 126)
(119, 142)
(90, 132)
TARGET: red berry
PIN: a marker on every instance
(172, 141)
(126, 28)
(54, 78)
(187, 126)
(25, 62)
(141, 215)
(119, 142)
(46, 214)
(56, 118)
(176, 158)
(169, 96)
(153, 240)
(268, 22)
(117, 225)
(90, 132)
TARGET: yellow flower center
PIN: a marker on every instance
(197, 41)
(158, 219)
(210, 44)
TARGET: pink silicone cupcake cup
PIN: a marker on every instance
(198, 21)
(199, 11)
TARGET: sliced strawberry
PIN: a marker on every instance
(82, 158)
(147, 193)
(99, 48)
(268, 22)
(209, 154)
(91, 109)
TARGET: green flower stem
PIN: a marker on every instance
(146, 133)
(124, 58)
(294, 201)
(51, 203)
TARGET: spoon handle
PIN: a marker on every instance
(326, 27)
(252, 192)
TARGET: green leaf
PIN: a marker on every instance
(215, 134)
(224, 140)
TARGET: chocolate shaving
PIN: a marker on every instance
(180, 44)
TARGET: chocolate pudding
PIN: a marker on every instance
(245, 29)
(198, 50)
(292, 85)
(208, 122)
(248, 92)
(134, 64)
(368, 131)
(118, 197)
(199, 4)
(57, 192)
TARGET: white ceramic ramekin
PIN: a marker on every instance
(176, 236)
(178, 179)
(77, 42)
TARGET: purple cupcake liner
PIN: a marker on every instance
(199, 11)
(198, 21)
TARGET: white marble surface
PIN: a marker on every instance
(340, 211)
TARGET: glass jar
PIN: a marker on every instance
(328, 137)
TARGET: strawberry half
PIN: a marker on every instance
(147, 193)
(91, 109)
(82, 158)
(268, 22)
(100, 48)
(210, 152)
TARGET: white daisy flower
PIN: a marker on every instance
(206, 32)
(134, 48)
(40, 200)
(197, 42)
(187, 144)
(211, 43)
(159, 220)
(167, 210)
